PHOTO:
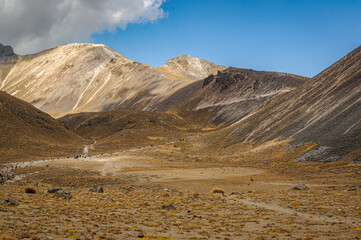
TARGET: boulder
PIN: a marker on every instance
(96, 189)
(300, 186)
(66, 194)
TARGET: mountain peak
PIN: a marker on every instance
(191, 67)
(183, 59)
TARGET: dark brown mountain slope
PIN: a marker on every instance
(104, 124)
(326, 110)
(124, 129)
(27, 132)
(235, 93)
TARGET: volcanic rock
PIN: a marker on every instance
(300, 186)
(6, 51)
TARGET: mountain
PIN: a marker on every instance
(251, 107)
(92, 77)
(235, 93)
(326, 111)
(27, 132)
(190, 67)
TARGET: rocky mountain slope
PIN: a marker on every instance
(27, 132)
(90, 77)
(251, 107)
(326, 110)
(190, 67)
(234, 93)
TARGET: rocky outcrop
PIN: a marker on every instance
(6, 51)
(7, 60)
(235, 93)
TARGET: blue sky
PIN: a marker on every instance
(300, 37)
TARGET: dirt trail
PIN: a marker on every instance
(288, 211)
(87, 147)
(194, 174)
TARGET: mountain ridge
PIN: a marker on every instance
(27, 132)
(326, 110)
(89, 77)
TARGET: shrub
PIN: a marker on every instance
(30, 190)
(217, 190)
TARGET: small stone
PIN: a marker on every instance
(196, 195)
(352, 188)
(66, 194)
(25, 235)
(54, 189)
(140, 235)
(96, 189)
(300, 186)
(169, 207)
(9, 202)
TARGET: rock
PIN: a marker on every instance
(54, 189)
(169, 207)
(300, 186)
(352, 188)
(9, 202)
(140, 235)
(35, 184)
(6, 51)
(96, 189)
(25, 235)
(66, 194)
(196, 195)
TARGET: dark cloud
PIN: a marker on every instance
(33, 25)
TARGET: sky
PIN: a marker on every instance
(296, 36)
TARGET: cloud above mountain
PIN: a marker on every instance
(33, 25)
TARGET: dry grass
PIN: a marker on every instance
(217, 190)
(6, 236)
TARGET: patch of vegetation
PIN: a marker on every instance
(30, 190)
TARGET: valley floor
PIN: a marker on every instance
(156, 193)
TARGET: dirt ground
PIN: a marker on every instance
(158, 192)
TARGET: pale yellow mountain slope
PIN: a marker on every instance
(92, 77)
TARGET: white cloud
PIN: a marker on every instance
(34, 25)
